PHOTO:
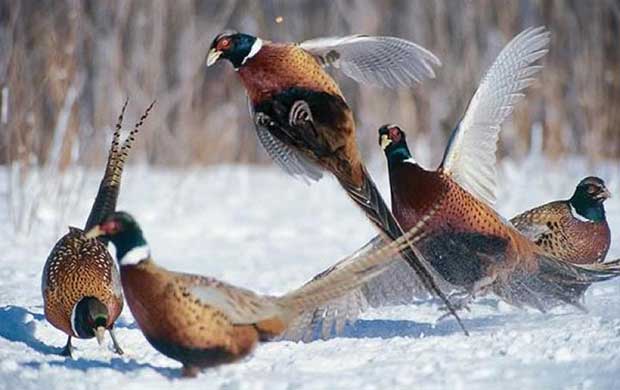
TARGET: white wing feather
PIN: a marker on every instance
(290, 160)
(470, 155)
(387, 61)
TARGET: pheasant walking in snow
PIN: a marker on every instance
(81, 284)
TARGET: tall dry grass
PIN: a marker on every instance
(67, 65)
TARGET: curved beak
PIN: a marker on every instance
(213, 56)
(385, 141)
(95, 232)
(99, 334)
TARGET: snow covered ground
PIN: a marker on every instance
(257, 228)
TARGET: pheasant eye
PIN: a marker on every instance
(223, 44)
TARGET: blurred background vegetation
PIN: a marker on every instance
(66, 67)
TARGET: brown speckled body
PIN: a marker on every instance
(181, 326)
(465, 240)
(76, 268)
(554, 228)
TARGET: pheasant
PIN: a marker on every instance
(472, 246)
(302, 119)
(203, 322)
(574, 230)
(80, 283)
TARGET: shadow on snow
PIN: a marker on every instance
(18, 324)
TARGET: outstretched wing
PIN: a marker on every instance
(291, 161)
(387, 61)
(470, 155)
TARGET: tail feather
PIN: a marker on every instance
(611, 265)
(344, 277)
(124, 152)
(557, 282)
(369, 199)
(107, 195)
(398, 284)
(579, 274)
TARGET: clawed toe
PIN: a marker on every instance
(263, 120)
(300, 113)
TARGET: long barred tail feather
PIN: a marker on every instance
(105, 201)
(557, 282)
(611, 265)
(128, 143)
(107, 195)
(343, 278)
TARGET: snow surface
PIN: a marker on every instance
(259, 229)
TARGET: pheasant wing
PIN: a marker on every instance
(470, 155)
(379, 61)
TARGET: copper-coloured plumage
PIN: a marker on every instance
(280, 66)
(469, 165)
(203, 322)
(80, 283)
(470, 245)
(303, 120)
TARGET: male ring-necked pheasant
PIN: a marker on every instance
(465, 239)
(471, 245)
(80, 282)
(574, 230)
(302, 119)
(202, 322)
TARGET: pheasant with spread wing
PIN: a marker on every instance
(303, 120)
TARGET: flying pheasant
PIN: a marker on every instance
(303, 120)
